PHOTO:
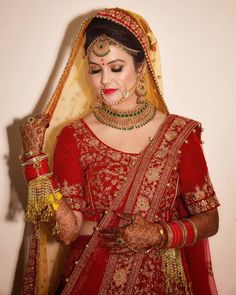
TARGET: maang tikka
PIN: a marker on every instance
(100, 46)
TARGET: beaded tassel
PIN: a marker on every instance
(175, 279)
(42, 200)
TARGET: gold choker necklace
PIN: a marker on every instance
(125, 120)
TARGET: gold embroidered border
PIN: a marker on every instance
(30, 283)
(160, 191)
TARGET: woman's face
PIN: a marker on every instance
(112, 74)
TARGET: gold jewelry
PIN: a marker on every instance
(146, 251)
(34, 160)
(141, 89)
(169, 234)
(125, 120)
(194, 229)
(30, 120)
(56, 230)
(124, 95)
(120, 241)
(184, 232)
(100, 46)
(163, 237)
(43, 200)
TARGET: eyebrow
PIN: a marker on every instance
(121, 60)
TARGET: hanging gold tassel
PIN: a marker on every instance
(175, 279)
(42, 200)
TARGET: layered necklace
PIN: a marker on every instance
(125, 119)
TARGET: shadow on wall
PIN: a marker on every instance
(18, 192)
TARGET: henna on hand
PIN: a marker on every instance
(33, 133)
(67, 223)
(140, 235)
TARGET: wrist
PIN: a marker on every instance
(29, 154)
(178, 233)
(36, 166)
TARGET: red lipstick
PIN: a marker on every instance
(109, 90)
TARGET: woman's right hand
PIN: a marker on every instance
(33, 133)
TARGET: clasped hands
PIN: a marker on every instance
(139, 235)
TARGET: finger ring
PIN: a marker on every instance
(30, 120)
(120, 241)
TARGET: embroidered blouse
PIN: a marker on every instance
(90, 173)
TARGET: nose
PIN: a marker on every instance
(104, 77)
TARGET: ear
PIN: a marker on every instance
(142, 68)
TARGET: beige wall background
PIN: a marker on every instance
(198, 44)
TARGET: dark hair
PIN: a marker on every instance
(99, 26)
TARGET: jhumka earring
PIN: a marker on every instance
(98, 102)
(141, 90)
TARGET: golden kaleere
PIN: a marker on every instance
(173, 272)
(42, 200)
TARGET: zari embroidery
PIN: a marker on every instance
(147, 187)
(105, 168)
(69, 191)
(202, 199)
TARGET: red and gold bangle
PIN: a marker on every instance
(178, 235)
(191, 230)
(31, 159)
(35, 167)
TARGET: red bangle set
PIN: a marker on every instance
(191, 230)
(37, 166)
(179, 233)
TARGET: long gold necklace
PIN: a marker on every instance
(125, 119)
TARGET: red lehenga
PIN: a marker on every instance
(168, 180)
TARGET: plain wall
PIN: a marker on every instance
(198, 43)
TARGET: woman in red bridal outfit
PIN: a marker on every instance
(130, 191)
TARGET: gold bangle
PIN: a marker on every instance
(34, 160)
(163, 237)
(46, 175)
(169, 234)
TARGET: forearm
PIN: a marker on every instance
(185, 232)
(207, 223)
(66, 224)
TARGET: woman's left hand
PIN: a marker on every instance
(139, 236)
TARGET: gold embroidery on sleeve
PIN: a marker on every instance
(202, 199)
